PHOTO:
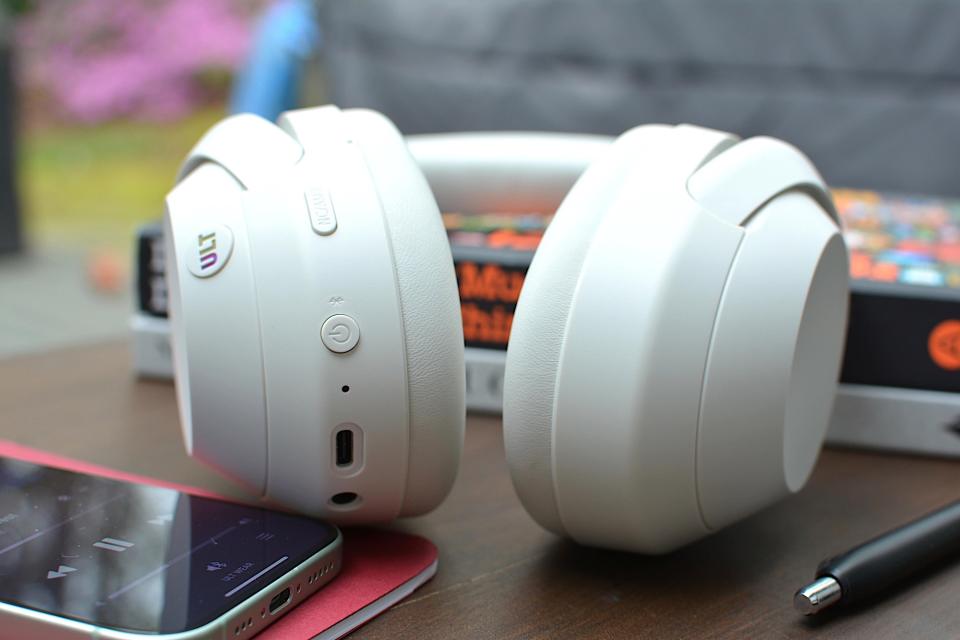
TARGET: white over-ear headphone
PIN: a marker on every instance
(671, 366)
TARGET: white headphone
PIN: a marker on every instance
(672, 362)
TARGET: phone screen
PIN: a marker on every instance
(137, 557)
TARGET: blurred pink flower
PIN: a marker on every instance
(102, 59)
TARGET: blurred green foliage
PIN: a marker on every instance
(16, 6)
(92, 186)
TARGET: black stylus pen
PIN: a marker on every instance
(873, 566)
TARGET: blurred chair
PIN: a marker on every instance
(10, 232)
(870, 90)
(271, 80)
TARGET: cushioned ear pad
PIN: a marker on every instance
(539, 325)
(430, 306)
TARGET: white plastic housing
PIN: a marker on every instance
(318, 212)
(698, 349)
(673, 358)
(215, 331)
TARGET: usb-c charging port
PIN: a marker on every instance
(344, 443)
(279, 601)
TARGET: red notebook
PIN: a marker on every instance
(380, 568)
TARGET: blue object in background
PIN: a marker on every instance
(269, 82)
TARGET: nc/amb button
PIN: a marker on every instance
(323, 219)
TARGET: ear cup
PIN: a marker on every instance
(430, 306)
(537, 334)
(214, 316)
(629, 372)
(251, 149)
(354, 316)
(201, 346)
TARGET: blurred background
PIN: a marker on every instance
(101, 99)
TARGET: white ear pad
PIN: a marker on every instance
(645, 423)
(341, 224)
(537, 333)
(430, 304)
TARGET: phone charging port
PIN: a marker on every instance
(279, 601)
(344, 444)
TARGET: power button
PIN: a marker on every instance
(340, 333)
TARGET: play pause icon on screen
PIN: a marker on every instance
(113, 544)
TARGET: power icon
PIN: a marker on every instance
(340, 333)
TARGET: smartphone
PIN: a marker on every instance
(83, 556)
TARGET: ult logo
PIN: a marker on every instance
(210, 251)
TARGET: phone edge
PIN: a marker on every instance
(28, 624)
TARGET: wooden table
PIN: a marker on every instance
(500, 574)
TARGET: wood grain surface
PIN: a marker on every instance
(500, 575)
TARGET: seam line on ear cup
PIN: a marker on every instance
(716, 152)
(211, 316)
(651, 423)
(591, 189)
(799, 177)
(256, 295)
(561, 356)
(356, 142)
(703, 384)
(772, 167)
(766, 360)
(303, 278)
(815, 193)
(653, 134)
(263, 369)
(245, 146)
